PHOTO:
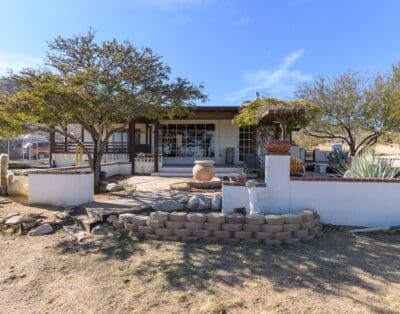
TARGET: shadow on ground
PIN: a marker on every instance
(329, 265)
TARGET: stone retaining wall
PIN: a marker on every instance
(269, 229)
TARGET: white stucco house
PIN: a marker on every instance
(171, 146)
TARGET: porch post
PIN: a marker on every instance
(147, 133)
(52, 145)
(156, 135)
(65, 142)
(132, 144)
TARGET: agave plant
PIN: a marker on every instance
(338, 156)
(369, 166)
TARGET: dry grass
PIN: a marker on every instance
(336, 273)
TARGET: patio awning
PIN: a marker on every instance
(281, 115)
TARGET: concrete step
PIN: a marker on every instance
(189, 169)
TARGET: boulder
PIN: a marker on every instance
(14, 220)
(43, 229)
(114, 187)
(216, 202)
(111, 219)
(167, 206)
(199, 201)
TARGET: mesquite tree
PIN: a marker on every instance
(101, 86)
(354, 108)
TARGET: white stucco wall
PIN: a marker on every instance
(349, 203)
(366, 204)
(339, 202)
(61, 189)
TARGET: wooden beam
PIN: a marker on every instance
(147, 133)
(82, 134)
(156, 139)
(65, 142)
(132, 133)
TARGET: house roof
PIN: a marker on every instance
(215, 112)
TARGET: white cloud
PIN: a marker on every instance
(278, 82)
(15, 62)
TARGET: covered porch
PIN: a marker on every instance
(170, 147)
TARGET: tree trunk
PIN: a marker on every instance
(353, 151)
(96, 164)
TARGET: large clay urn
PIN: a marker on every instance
(277, 147)
(203, 170)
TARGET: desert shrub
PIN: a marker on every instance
(368, 165)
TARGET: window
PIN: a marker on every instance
(246, 146)
(120, 137)
(188, 140)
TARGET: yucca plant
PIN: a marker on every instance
(367, 165)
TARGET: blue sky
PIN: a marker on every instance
(235, 47)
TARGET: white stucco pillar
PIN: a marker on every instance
(277, 179)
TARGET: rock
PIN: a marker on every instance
(70, 209)
(14, 220)
(76, 232)
(43, 229)
(199, 201)
(216, 202)
(99, 230)
(114, 187)
(29, 224)
(4, 201)
(168, 206)
(86, 223)
(63, 215)
(12, 215)
(112, 218)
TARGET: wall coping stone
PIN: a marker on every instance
(233, 183)
(338, 179)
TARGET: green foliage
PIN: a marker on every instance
(249, 113)
(338, 156)
(351, 105)
(96, 85)
(367, 165)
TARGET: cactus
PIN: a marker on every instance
(3, 173)
(78, 156)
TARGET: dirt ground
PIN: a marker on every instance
(337, 273)
(119, 274)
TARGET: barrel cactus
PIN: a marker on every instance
(3, 173)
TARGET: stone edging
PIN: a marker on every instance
(181, 226)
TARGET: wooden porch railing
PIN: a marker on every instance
(111, 148)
